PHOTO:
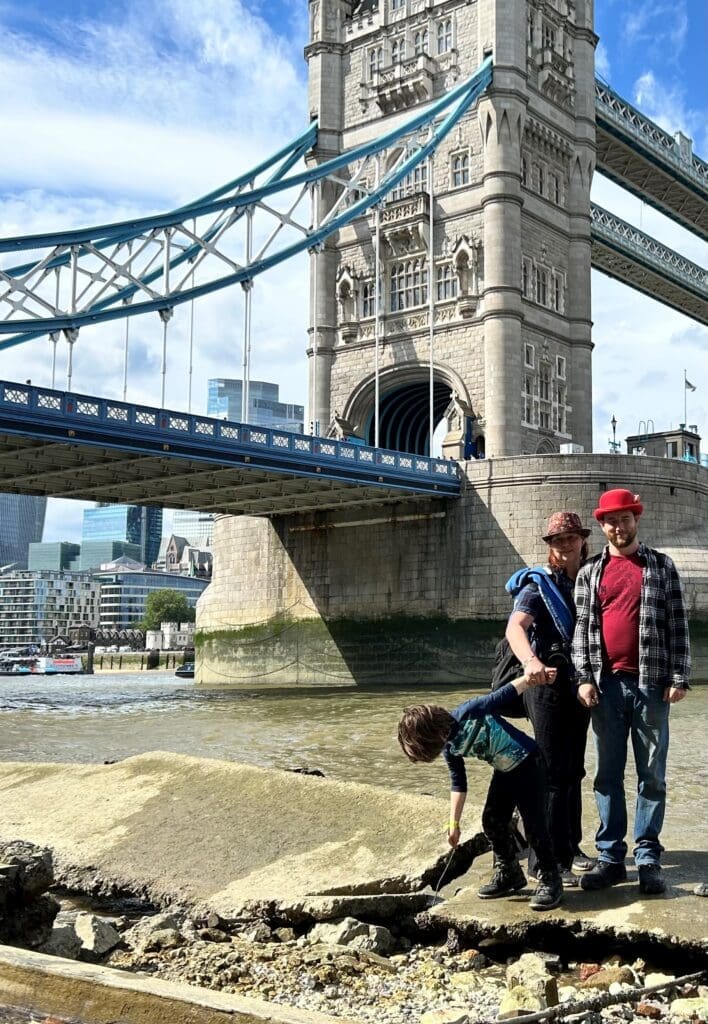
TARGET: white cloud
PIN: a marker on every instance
(602, 62)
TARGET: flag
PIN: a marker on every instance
(691, 387)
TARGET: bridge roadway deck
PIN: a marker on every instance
(661, 170)
(76, 446)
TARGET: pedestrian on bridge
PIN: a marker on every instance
(477, 729)
(632, 655)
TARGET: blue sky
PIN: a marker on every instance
(116, 110)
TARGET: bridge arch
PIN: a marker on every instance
(404, 405)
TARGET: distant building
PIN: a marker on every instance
(36, 606)
(682, 444)
(171, 636)
(95, 553)
(139, 525)
(21, 524)
(177, 555)
(264, 407)
(56, 555)
(197, 528)
(124, 593)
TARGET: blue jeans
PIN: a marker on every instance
(628, 709)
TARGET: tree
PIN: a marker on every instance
(166, 606)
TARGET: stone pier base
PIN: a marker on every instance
(414, 594)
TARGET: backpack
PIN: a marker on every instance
(506, 669)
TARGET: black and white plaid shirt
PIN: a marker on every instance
(664, 646)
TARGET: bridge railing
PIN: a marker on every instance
(632, 122)
(75, 410)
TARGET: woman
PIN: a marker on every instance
(559, 721)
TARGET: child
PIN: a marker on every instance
(475, 729)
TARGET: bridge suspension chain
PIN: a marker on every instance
(153, 264)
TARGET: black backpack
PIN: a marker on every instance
(506, 669)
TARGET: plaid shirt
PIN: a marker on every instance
(664, 647)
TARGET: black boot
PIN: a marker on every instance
(549, 891)
(506, 879)
(603, 875)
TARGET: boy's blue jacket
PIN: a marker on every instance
(551, 596)
(480, 732)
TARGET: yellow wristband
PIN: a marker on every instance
(451, 825)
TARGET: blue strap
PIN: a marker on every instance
(552, 597)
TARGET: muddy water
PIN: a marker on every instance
(345, 734)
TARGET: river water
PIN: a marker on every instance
(347, 734)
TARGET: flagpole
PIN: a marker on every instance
(685, 401)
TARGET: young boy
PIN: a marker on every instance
(474, 729)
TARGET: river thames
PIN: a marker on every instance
(346, 734)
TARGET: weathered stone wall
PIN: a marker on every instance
(406, 593)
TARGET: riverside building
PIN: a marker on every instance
(22, 519)
(36, 606)
(125, 590)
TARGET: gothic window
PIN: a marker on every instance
(559, 423)
(529, 27)
(526, 278)
(421, 41)
(554, 188)
(557, 293)
(409, 284)
(444, 35)
(529, 356)
(539, 179)
(446, 282)
(524, 170)
(544, 419)
(376, 60)
(460, 170)
(560, 367)
(549, 36)
(368, 299)
(544, 382)
(528, 400)
(398, 5)
(542, 286)
(398, 50)
(416, 181)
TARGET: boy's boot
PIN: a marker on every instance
(506, 879)
(549, 891)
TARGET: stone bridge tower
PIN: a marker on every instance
(510, 261)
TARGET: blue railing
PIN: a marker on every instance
(36, 407)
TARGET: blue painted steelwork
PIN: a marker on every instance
(59, 416)
(81, 241)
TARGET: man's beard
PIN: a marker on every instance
(626, 539)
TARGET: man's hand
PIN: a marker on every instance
(535, 679)
(588, 695)
(673, 694)
(453, 836)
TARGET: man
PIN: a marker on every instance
(632, 657)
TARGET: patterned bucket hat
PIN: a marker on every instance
(564, 522)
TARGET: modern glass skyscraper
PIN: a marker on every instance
(134, 524)
(264, 407)
(196, 527)
(21, 523)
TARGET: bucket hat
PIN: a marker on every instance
(564, 522)
(618, 500)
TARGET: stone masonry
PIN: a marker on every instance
(510, 191)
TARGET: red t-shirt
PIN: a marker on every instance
(620, 598)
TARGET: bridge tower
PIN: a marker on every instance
(497, 225)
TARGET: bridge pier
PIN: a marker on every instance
(414, 594)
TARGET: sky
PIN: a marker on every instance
(113, 111)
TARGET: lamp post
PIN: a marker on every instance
(613, 421)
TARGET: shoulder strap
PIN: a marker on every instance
(550, 594)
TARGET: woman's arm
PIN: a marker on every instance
(517, 630)
(457, 802)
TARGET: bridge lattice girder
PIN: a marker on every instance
(639, 155)
(627, 254)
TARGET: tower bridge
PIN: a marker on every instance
(445, 206)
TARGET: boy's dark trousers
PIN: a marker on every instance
(523, 787)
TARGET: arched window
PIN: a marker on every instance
(444, 33)
(446, 282)
(460, 170)
(408, 281)
(416, 181)
(421, 41)
(368, 299)
(398, 50)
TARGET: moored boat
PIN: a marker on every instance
(185, 671)
(35, 664)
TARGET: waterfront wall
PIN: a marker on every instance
(415, 594)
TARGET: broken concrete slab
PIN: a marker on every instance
(96, 994)
(224, 836)
(677, 918)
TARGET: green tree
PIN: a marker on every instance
(166, 606)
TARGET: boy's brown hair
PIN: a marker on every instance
(424, 730)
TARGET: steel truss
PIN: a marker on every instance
(636, 259)
(228, 237)
(639, 155)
